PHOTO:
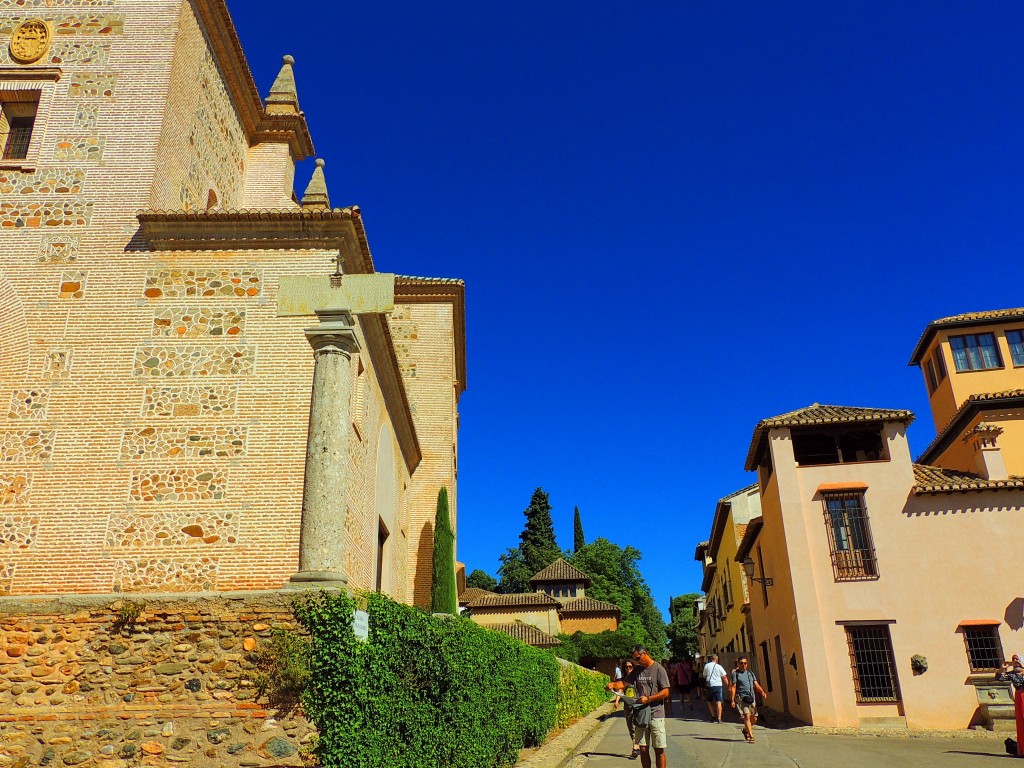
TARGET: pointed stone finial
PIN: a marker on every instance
(283, 98)
(315, 197)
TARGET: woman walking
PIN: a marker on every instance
(1013, 672)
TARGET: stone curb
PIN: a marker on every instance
(561, 749)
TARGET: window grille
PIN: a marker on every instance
(849, 537)
(874, 668)
(984, 649)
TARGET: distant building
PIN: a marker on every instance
(885, 590)
(558, 606)
(726, 628)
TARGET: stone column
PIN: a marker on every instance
(322, 542)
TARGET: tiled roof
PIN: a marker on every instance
(413, 280)
(513, 600)
(560, 570)
(938, 480)
(469, 594)
(965, 319)
(816, 414)
(733, 495)
(970, 402)
(587, 605)
(526, 633)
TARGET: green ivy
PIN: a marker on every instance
(426, 690)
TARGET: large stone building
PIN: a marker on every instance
(888, 590)
(166, 305)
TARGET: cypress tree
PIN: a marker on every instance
(443, 597)
(537, 541)
(578, 541)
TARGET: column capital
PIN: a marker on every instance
(335, 333)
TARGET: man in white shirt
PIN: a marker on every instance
(714, 676)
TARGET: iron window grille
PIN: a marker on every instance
(873, 664)
(984, 649)
(849, 537)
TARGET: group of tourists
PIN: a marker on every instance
(645, 688)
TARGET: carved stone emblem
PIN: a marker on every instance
(30, 41)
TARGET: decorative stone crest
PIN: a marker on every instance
(30, 41)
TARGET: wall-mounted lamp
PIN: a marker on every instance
(748, 568)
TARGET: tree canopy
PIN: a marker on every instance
(578, 540)
(537, 541)
(481, 580)
(682, 631)
(615, 577)
(513, 574)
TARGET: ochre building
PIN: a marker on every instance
(160, 340)
(887, 591)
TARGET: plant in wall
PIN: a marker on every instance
(126, 614)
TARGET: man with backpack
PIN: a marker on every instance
(744, 687)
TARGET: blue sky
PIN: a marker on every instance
(673, 219)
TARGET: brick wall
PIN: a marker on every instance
(176, 687)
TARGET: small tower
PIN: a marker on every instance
(315, 197)
(283, 99)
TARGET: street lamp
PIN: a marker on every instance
(748, 568)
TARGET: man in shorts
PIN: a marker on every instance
(744, 687)
(715, 677)
(651, 683)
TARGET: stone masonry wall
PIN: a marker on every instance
(175, 688)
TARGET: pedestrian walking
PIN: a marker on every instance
(615, 678)
(684, 682)
(744, 700)
(715, 677)
(627, 709)
(670, 673)
(651, 684)
(1013, 672)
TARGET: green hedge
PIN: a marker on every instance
(424, 691)
(580, 692)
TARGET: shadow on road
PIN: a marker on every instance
(979, 754)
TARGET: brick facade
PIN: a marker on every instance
(156, 405)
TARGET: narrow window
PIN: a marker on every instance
(975, 352)
(17, 119)
(940, 364)
(382, 540)
(1016, 342)
(933, 382)
(767, 667)
(874, 667)
(984, 649)
(849, 537)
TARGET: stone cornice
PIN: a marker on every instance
(258, 230)
(423, 290)
(227, 50)
(381, 348)
(30, 74)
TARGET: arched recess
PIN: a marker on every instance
(14, 346)
(385, 499)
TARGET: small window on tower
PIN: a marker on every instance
(17, 119)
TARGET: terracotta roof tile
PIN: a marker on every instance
(938, 480)
(526, 633)
(965, 319)
(816, 414)
(469, 594)
(560, 570)
(513, 600)
(413, 280)
(981, 397)
(588, 605)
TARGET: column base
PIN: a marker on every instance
(317, 580)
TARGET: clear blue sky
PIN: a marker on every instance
(673, 219)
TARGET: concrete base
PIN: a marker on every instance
(317, 580)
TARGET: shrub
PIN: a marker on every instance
(587, 649)
(283, 666)
(580, 692)
(422, 691)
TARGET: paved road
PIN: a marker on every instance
(693, 742)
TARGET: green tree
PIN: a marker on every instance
(481, 580)
(682, 630)
(587, 649)
(616, 578)
(443, 595)
(513, 574)
(578, 541)
(537, 541)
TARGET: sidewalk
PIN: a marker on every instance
(693, 742)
